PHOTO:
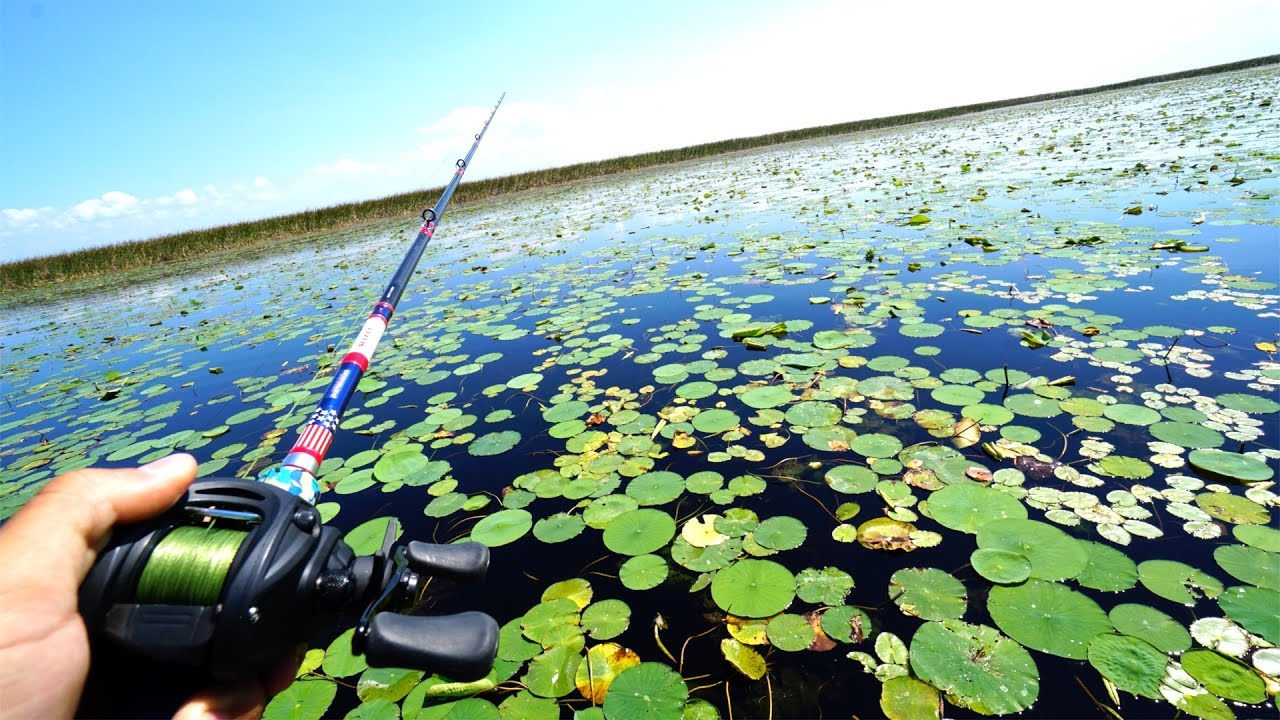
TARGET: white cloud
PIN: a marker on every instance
(118, 216)
(109, 204)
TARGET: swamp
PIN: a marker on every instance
(969, 417)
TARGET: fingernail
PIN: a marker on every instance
(165, 466)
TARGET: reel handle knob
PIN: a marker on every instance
(461, 647)
(466, 562)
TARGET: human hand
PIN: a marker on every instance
(46, 549)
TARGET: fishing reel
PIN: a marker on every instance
(239, 572)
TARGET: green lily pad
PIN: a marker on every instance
(656, 488)
(494, 443)
(606, 619)
(367, 537)
(552, 673)
(906, 698)
(1231, 465)
(753, 588)
(1187, 435)
(1157, 628)
(767, 396)
(305, 699)
(639, 532)
(648, 690)
(1000, 566)
(928, 593)
(812, 413)
(828, 586)
(1131, 414)
(1255, 609)
(1223, 676)
(1054, 555)
(1176, 581)
(976, 666)
(780, 533)
(959, 395)
(1131, 664)
(1233, 508)
(852, 479)
(1259, 536)
(558, 528)
(503, 527)
(1252, 404)
(1048, 616)
(1250, 565)
(831, 339)
(715, 421)
(643, 572)
(1124, 467)
(876, 445)
(790, 632)
(1029, 405)
(968, 507)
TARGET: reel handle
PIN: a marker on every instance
(461, 562)
(460, 646)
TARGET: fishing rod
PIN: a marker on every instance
(241, 571)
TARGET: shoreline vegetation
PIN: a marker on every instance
(264, 234)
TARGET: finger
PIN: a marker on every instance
(240, 701)
(67, 521)
(282, 674)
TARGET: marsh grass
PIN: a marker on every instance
(269, 232)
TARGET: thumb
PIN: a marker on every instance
(70, 518)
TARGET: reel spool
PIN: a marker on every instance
(240, 572)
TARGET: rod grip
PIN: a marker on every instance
(460, 647)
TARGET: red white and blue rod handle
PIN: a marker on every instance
(297, 472)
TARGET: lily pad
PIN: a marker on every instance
(906, 698)
(715, 421)
(1255, 609)
(603, 664)
(1000, 566)
(1048, 616)
(494, 443)
(1131, 664)
(1235, 466)
(1053, 554)
(1176, 581)
(928, 593)
(648, 690)
(968, 507)
(744, 658)
(780, 533)
(639, 532)
(1250, 565)
(767, 396)
(975, 666)
(503, 527)
(1233, 508)
(643, 572)
(1157, 628)
(1223, 676)
(753, 588)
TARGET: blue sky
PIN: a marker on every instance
(124, 120)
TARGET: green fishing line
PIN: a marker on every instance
(189, 566)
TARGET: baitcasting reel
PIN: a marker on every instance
(232, 601)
